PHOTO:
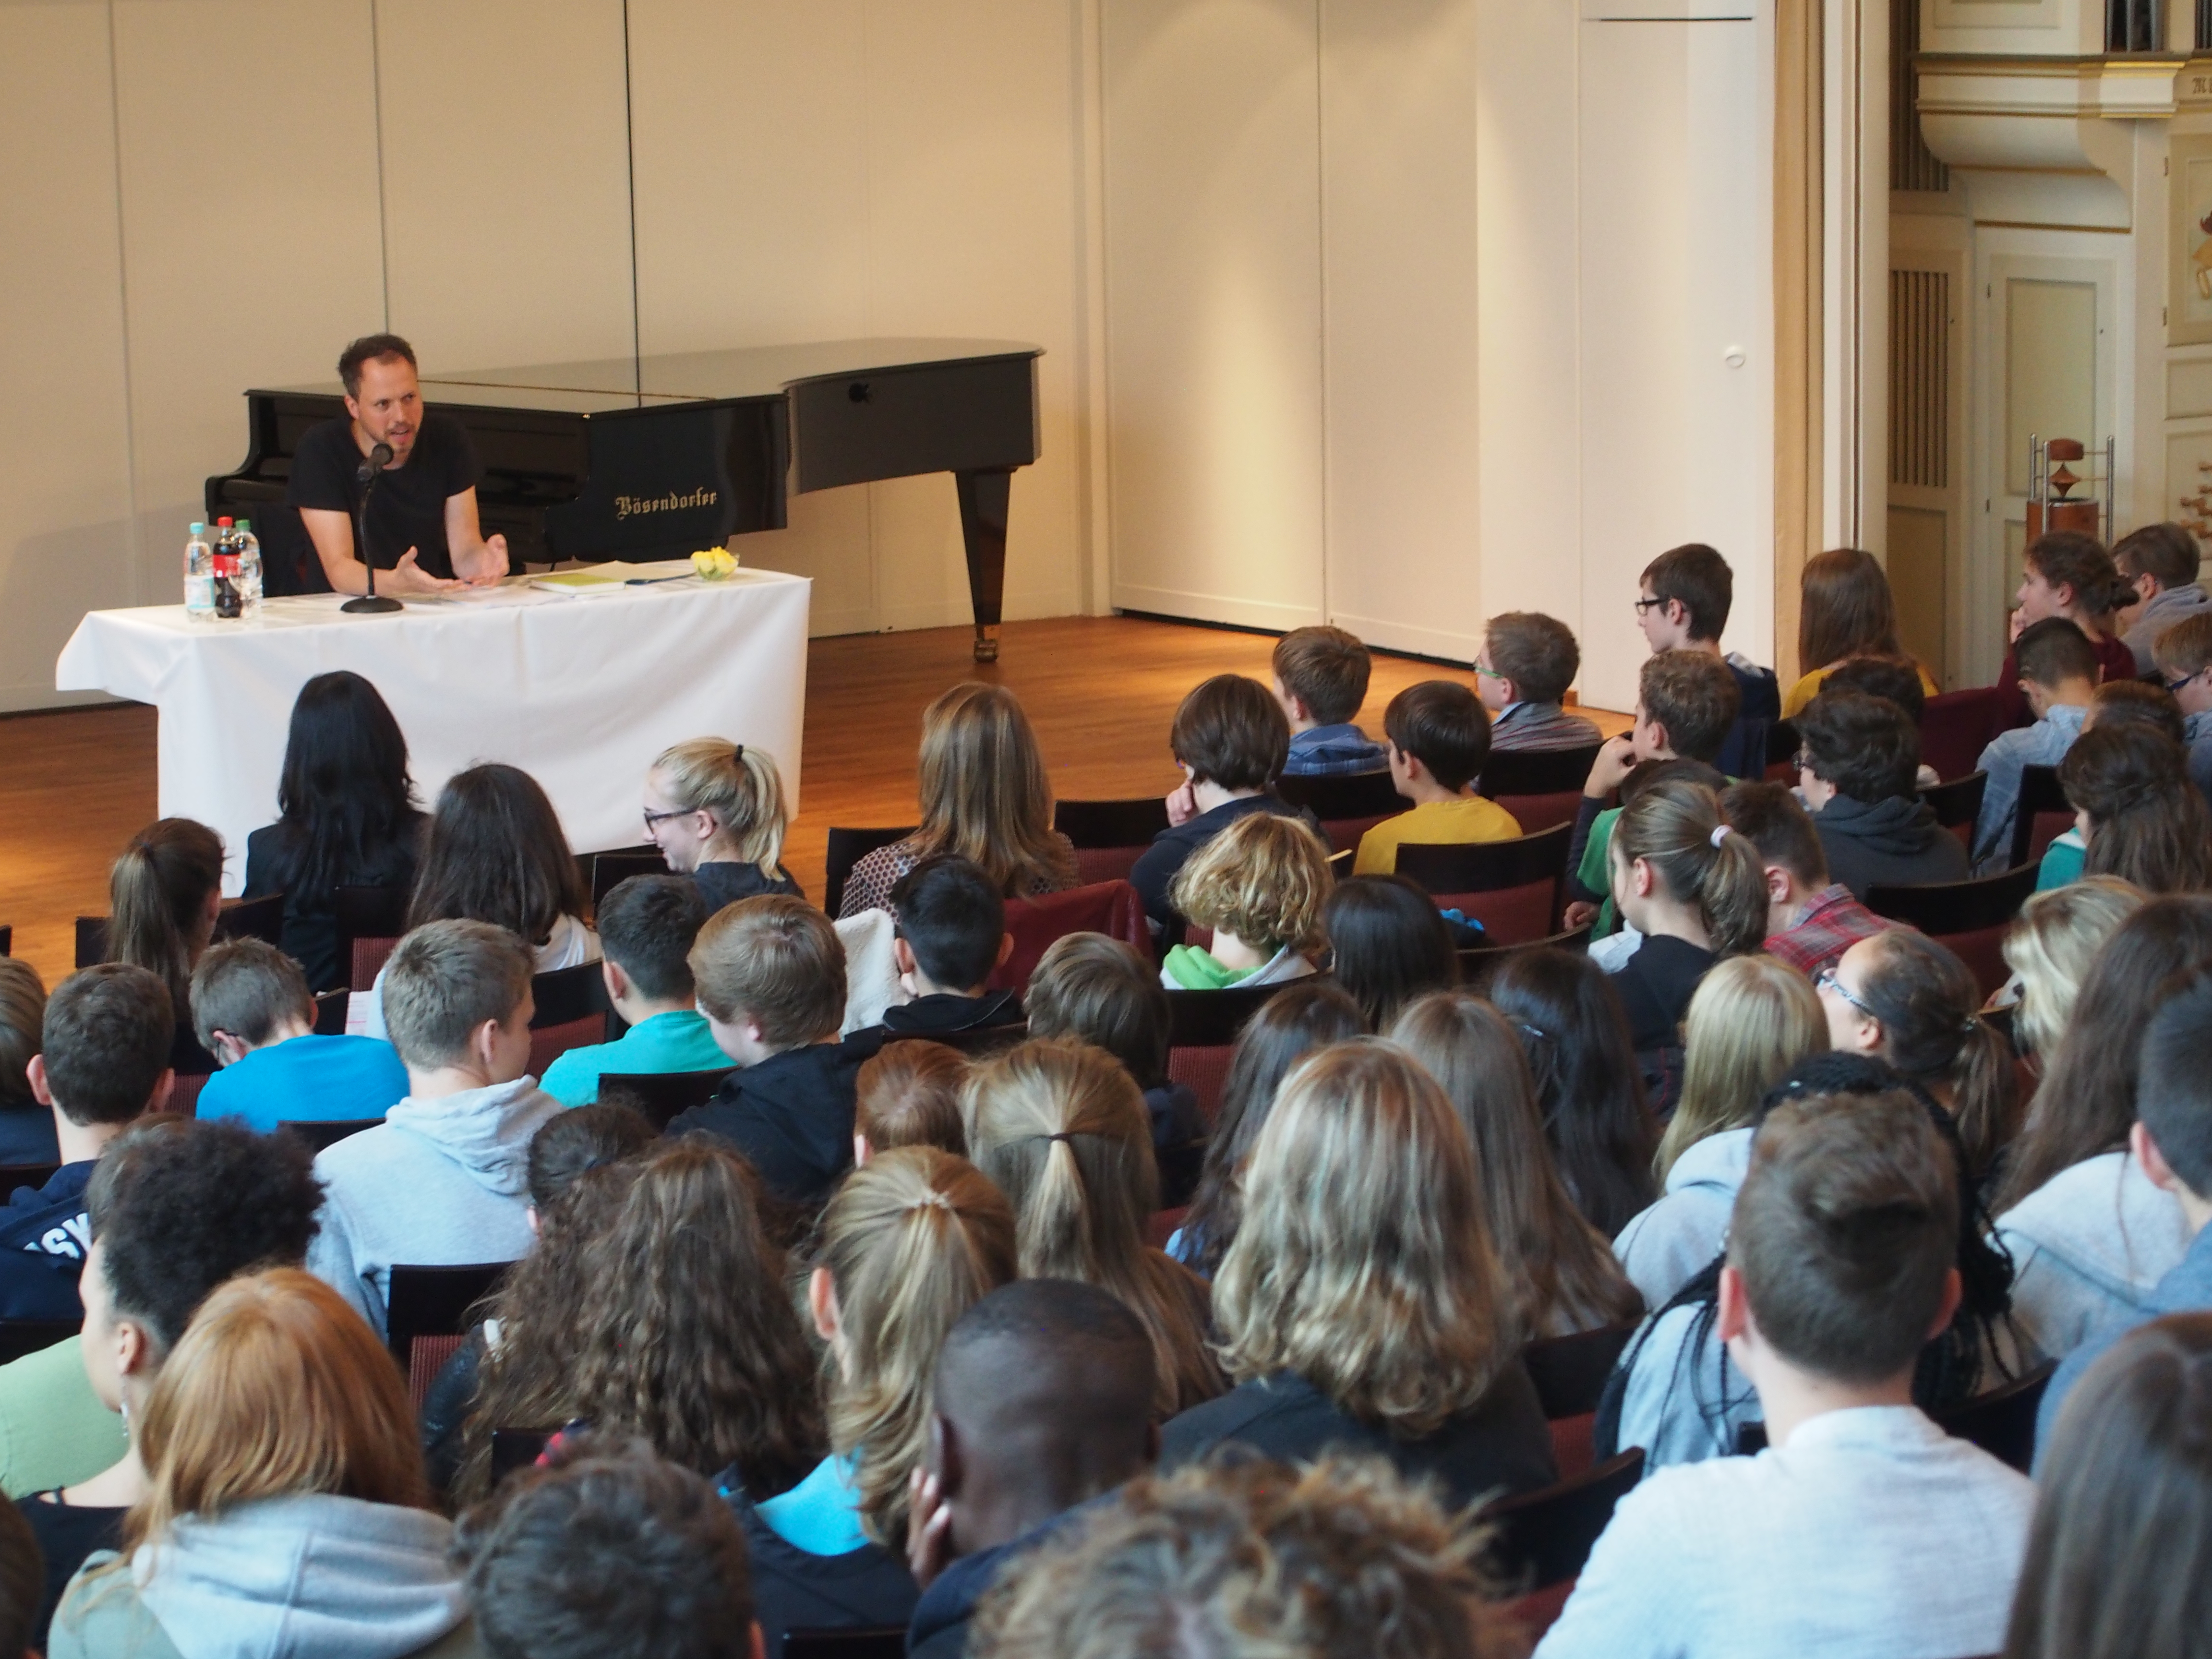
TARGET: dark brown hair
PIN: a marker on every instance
(23, 1012)
(1926, 999)
(2066, 558)
(1892, 679)
(1845, 1231)
(1694, 696)
(2147, 823)
(775, 960)
(1444, 725)
(496, 852)
(2087, 1099)
(1697, 577)
(1771, 816)
(2138, 702)
(1231, 731)
(2054, 651)
(105, 1040)
(1325, 668)
(2167, 553)
(1845, 609)
(1099, 990)
(247, 987)
(1389, 945)
(1866, 746)
(158, 892)
(1537, 653)
(907, 1094)
(370, 348)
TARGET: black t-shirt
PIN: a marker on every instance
(67, 1533)
(408, 507)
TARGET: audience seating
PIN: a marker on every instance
(184, 1093)
(847, 849)
(1109, 836)
(1161, 1225)
(1179, 1168)
(572, 1012)
(1111, 907)
(13, 1175)
(870, 1642)
(369, 922)
(253, 918)
(1955, 726)
(1958, 804)
(2043, 815)
(516, 1449)
(6, 941)
(1541, 788)
(1971, 917)
(18, 1337)
(611, 868)
(1570, 1373)
(1478, 962)
(426, 1303)
(661, 1095)
(1203, 1027)
(2002, 1421)
(1543, 1538)
(1349, 807)
(330, 1012)
(1782, 747)
(1514, 888)
(321, 1134)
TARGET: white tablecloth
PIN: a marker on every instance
(581, 693)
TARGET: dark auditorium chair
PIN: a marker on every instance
(2002, 1421)
(13, 1175)
(1349, 807)
(572, 1012)
(18, 1337)
(1971, 917)
(6, 941)
(184, 1093)
(1570, 1372)
(254, 918)
(1955, 726)
(1540, 787)
(1112, 908)
(1514, 888)
(330, 1012)
(1543, 1538)
(426, 1314)
(323, 1132)
(862, 1641)
(1109, 836)
(1478, 962)
(611, 869)
(2043, 815)
(847, 849)
(1203, 1027)
(1179, 1167)
(370, 917)
(1958, 804)
(661, 1095)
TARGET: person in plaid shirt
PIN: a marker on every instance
(1810, 921)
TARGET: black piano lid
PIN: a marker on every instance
(610, 385)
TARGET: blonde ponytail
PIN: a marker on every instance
(740, 787)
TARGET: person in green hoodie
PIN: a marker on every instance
(1259, 886)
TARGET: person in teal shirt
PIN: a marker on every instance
(252, 1011)
(647, 926)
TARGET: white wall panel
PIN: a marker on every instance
(66, 534)
(252, 245)
(505, 179)
(1214, 308)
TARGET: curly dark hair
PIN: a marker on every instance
(662, 1313)
(181, 1205)
(610, 1553)
(1868, 747)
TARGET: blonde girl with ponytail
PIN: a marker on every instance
(1062, 1128)
(715, 810)
(1696, 890)
(914, 1238)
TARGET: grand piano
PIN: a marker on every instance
(643, 458)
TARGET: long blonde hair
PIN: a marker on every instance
(1751, 1020)
(741, 789)
(1363, 1262)
(157, 895)
(276, 1387)
(1560, 1269)
(984, 794)
(1062, 1129)
(2051, 945)
(914, 1238)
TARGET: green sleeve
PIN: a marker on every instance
(1595, 871)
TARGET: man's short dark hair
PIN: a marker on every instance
(2173, 1091)
(608, 1552)
(2167, 553)
(1697, 577)
(2138, 702)
(647, 926)
(1539, 654)
(106, 1039)
(2053, 652)
(1100, 991)
(1845, 1231)
(1325, 668)
(1444, 725)
(1770, 816)
(1866, 746)
(1231, 731)
(1693, 695)
(181, 1205)
(248, 987)
(953, 917)
(1882, 677)
(370, 348)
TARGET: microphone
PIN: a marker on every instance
(379, 459)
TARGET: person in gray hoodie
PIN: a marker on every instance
(2161, 562)
(288, 1516)
(1859, 761)
(444, 1180)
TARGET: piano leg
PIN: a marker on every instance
(984, 503)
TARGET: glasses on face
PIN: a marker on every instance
(654, 819)
(2175, 686)
(1642, 605)
(1828, 982)
(1486, 672)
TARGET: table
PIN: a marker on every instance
(579, 692)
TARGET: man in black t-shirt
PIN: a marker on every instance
(421, 524)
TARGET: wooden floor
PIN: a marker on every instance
(1100, 690)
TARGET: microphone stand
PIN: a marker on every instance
(368, 603)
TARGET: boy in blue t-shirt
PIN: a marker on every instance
(252, 1011)
(648, 925)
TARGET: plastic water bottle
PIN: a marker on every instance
(225, 586)
(199, 576)
(247, 547)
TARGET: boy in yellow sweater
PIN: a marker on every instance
(1439, 739)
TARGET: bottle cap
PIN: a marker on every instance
(223, 523)
(198, 528)
(246, 524)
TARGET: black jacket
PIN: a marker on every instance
(723, 882)
(947, 1011)
(795, 1590)
(1504, 1443)
(1656, 986)
(273, 856)
(940, 1626)
(44, 1234)
(790, 1115)
(1893, 840)
(1171, 848)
